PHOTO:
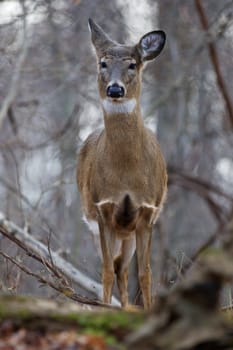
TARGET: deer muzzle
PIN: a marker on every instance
(115, 91)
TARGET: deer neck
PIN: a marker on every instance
(124, 132)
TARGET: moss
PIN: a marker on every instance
(7, 306)
(111, 320)
(33, 313)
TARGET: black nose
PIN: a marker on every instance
(115, 91)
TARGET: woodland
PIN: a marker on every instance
(50, 273)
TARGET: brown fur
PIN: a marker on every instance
(121, 173)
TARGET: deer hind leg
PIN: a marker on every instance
(143, 243)
(121, 266)
(107, 240)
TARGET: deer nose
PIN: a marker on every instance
(115, 91)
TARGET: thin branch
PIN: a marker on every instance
(60, 287)
(57, 134)
(208, 186)
(26, 270)
(26, 201)
(215, 61)
(39, 251)
(218, 235)
(203, 189)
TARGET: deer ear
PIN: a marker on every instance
(99, 38)
(151, 44)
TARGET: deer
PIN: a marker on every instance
(121, 171)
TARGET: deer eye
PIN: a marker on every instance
(103, 64)
(132, 66)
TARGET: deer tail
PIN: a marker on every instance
(125, 213)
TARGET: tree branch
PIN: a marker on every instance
(215, 61)
(216, 30)
(50, 259)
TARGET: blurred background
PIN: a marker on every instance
(49, 104)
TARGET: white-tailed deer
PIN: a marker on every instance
(121, 171)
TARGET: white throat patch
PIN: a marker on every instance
(124, 107)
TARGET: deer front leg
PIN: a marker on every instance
(107, 240)
(143, 243)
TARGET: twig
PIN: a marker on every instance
(59, 287)
(40, 278)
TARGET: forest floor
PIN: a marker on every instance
(28, 323)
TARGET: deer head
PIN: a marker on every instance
(119, 67)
